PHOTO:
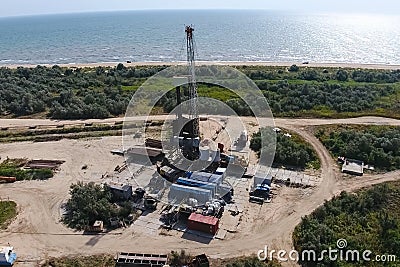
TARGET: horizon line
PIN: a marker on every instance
(300, 11)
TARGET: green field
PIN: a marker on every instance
(13, 168)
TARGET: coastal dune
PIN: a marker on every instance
(221, 63)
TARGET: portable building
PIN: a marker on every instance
(120, 191)
(221, 171)
(195, 183)
(353, 167)
(206, 177)
(178, 193)
(205, 224)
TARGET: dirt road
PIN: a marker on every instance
(37, 231)
(278, 121)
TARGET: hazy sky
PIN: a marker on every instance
(28, 7)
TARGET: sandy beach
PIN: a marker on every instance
(221, 63)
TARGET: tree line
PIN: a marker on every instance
(375, 145)
(368, 220)
(101, 92)
(291, 149)
(91, 202)
(67, 93)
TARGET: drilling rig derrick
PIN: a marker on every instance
(193, 115)
(187, 128)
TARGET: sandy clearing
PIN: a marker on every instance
(38, 233)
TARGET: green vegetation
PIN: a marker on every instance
(368, 220)
(91, 202)
(13, 168)
(181, 258)
(8, 211)
(81, 93)
(59, 133)
(66, 93)
(317, 92)
(176, 259)
(375, 145)
(250, 262)
(81, 261)
(291, 150)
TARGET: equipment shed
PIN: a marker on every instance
(353, 167)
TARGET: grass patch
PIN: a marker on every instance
(81, 261)
(251, 261)
(215, 92)
(13, 168)
(8, 211)
(45, 135)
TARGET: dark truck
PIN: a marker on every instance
(260, 194)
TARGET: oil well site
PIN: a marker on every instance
(181, 181)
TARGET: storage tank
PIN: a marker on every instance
(175, 140)
(244, 136)
(217, 157)
(213, 153)
(196, 142)
(204, 153)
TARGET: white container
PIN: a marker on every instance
(217, 157)
(204, 153)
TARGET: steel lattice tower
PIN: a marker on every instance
(194, 116)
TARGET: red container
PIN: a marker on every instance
(203, 223)
(7, 179)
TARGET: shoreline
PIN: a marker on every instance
(220, 63)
